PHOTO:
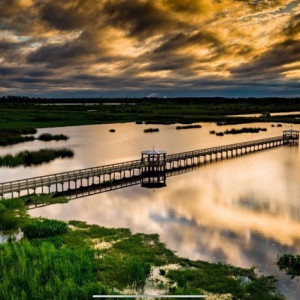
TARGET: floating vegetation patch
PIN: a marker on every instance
(33, 158)
(188, 127)
(242, 130)
(47, 137)
(151, 130)
(245, 130)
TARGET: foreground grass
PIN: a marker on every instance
(33, 158)
(58, 260)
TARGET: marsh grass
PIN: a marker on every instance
(44, 228)
(33, 158)
(58, 260)
(43, 271)
(222, 279)
(11, 136)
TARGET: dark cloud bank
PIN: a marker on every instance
(135, 47)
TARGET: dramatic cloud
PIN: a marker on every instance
(138, 47)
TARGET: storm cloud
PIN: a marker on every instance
(131, 47)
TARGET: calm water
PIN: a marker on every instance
(244, 211)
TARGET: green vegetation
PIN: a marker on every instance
(290, 263)
(20, 112)
(46, 137)
(47, 271)
(11, 136)
(222, 279)
(239, 131)
(15, 136)
(44, 228)
(32, 158)
(188, 127)
(13, 211)
(58, 260)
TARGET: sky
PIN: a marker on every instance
(149, 48)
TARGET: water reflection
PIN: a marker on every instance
(243, 211)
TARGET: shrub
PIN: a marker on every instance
(162, 272)
(290, 263)
(44, 228)
(137, 273)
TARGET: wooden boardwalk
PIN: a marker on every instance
(104, 177)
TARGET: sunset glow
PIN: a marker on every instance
(138, 47)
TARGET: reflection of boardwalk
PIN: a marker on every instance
(115, 176)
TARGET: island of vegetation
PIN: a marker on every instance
(239, 131)
(188, 127)
(149, 130)
(33, 158)
(51, 259)
(47, 137)
(11, 136)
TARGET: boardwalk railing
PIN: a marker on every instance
(60, 182)
(230, 147)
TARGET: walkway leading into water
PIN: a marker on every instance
(119, 175)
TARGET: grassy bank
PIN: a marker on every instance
(150, 111)
(34, 158)
(58, 260)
